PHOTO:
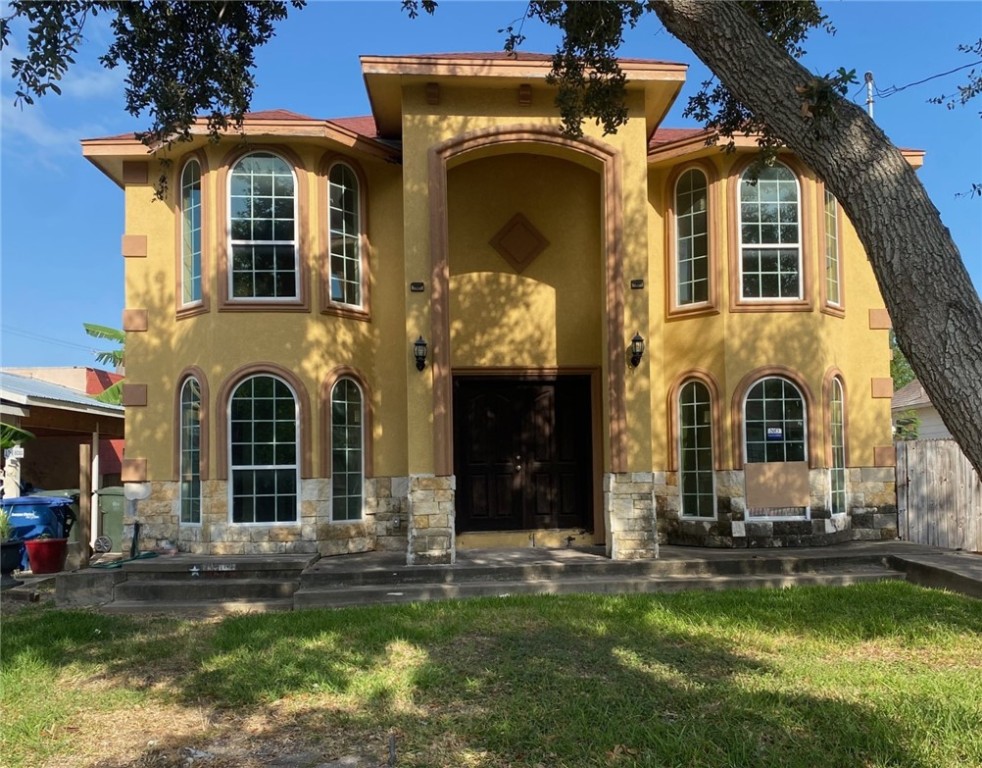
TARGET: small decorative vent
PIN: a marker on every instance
(519, 242)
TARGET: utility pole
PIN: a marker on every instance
(869, 94)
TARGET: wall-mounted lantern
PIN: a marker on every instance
(637, 350)
(419, 352)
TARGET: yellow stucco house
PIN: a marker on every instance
(448, 325)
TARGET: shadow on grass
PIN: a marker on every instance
(571, 681)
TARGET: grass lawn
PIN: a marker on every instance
(876, 675)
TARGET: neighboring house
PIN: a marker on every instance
(281, 300)
(912, 400)
(56, 406)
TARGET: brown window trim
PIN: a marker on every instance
(835, 310)
(805, 237)
(368, 432)
(714, 235)
(221, 414)
(736, 412)
(327, 306)
(203, 305)
(707, 379)
(830, 375)
(192, 371)
(225, 302)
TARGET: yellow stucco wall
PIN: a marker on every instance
(729, 345)
(309, 344)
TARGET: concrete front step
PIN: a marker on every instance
(606, 584)
(197, 608)
(200, 589)
(324, 575)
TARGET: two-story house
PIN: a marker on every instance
(447, 324)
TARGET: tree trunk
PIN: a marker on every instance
(935, 309)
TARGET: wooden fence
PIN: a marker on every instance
(939, 495)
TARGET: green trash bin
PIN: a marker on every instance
(111, 506)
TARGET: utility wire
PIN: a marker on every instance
(46, 339)
(897, 89)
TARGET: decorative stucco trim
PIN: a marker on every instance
(806, 239)
(881, 388)
(718, 428)
(134, 471)
(134, 246)
(715, 206)
(204, 417)
(884, 456)
(134, 395)
(304, 247)
(207, 225)
(879, 320)
(221, 414)
(368, 428)
(136, 320)
(136, 172)
(736, 412)
(585, 151)
(323, 254)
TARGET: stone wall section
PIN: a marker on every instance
(384, 525)
(431, 520)
(870, 501)
(629, 515)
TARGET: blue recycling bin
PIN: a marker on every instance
(32, 517)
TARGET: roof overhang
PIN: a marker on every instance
(109, 154)
(386, 77)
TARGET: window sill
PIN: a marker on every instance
(353, 313)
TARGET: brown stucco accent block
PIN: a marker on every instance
(879, 320)
(134, 246)
(135, 320)
(136, 172)
(134, 395)
(134, 471)
(777, 484)
(881, 388)
(884, 456)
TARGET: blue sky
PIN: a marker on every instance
(61, 219)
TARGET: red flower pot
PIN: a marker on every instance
(47, 555)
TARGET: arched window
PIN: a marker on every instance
(774, 422)
(696, 477)
(770, 235)
(263, 452)
(837, 438)
(191, 233)
(345, 235)
(347, 451)
(262, 227)
(832, 289)
(191, 452)
(691, 239)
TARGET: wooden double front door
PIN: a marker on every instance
(523, 453)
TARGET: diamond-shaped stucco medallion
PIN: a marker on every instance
(519, 242)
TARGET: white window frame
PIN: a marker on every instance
(833, 251)
(232, 467)
(837, 421)
(361, 453)
(294, 243)
(345, 236)
(681, 449)
(186, 451)
(191, 236)
(777, 246)
(690, 239)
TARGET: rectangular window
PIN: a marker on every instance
(769, 229)
(832, 295)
